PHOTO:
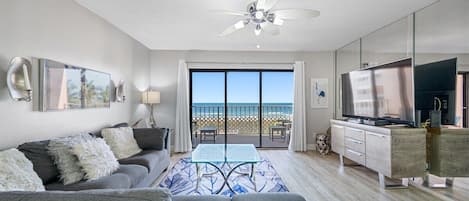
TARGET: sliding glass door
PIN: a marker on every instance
(208, 107)
(243, 104)
(241, 107)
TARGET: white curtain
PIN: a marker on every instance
(298, 136)
(183, 132)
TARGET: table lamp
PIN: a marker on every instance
(151, 98)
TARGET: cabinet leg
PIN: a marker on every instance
(382, 183)
(342, 162)
(427, 182)
(341, 158)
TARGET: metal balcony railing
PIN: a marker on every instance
(241, 119)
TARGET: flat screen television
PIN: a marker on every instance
(380, 93)
(436, 79)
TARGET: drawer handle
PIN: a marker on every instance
(377, 135)
(356, 130)
(354, 152)
(355, 141)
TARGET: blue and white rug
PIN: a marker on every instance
(182, 179)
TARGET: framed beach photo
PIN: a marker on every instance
(319, 93)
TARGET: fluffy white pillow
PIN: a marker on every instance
(122, 141)
(96, 158)
(17, 173)
(61, 150)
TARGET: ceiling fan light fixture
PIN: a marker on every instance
(239, 25)
(278, 21)
(259, 15)
(258, 30)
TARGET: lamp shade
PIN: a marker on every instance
(151, 97)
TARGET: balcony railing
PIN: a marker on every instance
(242, 119)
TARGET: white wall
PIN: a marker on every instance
(64, 31)
(164, 79)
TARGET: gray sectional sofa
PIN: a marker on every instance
(130, 182)
(137, 171)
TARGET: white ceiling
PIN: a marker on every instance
(189, 24)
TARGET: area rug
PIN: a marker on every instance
(182, 179)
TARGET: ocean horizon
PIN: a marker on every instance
(242, 110)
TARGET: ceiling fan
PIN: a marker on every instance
(264, 18)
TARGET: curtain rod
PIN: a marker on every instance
(245, 63)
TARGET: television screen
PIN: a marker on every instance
(69, 87)
(436, 80)
(383, 92)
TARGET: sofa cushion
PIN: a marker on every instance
(136, 173)
(200, 198)
(115, 181)
(16, 172)
(150, 138)
(268, 197)
(144, 194)
(147, 158)
(43, 163)
(95, 158)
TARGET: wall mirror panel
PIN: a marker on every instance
(441, 37)
(391, 43)
(347, 59)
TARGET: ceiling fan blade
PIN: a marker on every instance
(230, 12)
(235, 27)
(265, 4)
(270, 28)
(296, 14)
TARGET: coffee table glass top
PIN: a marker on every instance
(231, 153)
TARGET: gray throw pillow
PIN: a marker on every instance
(150, 138)
(43, 163)
(61, 151)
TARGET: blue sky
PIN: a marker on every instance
(243, 87)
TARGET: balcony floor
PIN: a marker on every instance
(267, 142)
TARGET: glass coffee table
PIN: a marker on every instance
(232, 156)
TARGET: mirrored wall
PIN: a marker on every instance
(430, 35)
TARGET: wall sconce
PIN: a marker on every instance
(18, 79)
(151, 98)
(120, 92)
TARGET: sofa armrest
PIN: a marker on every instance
(143, 194)
(151, 138)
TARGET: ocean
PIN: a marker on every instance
(242, 110)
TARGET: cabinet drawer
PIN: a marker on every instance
(355, 133)
(355, 156)
(356, 145)
(378, 145)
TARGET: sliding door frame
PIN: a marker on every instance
(226, 71)
(465, 95)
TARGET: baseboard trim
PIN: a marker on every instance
(311, 147)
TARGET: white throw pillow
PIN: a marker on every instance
(122, 141)
(96, 159)
(17, 173)
(61, 151)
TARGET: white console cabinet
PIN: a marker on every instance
(397, 152)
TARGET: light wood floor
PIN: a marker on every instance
(319, 177)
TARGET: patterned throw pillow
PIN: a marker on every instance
(17, 174)
(122, 141)
(61, 150)
(95, 158)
